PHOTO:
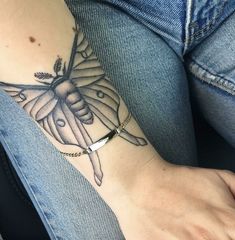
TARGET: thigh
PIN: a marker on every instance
(211, 67)
(147, 73)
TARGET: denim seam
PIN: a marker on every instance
(187, 24)
(206, 29)
(212, 79)
(9, 152)
(210, 23)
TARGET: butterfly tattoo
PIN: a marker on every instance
(69, 100)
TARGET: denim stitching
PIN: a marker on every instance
(187, 24)
(31, 190)
(213, 79)
(211, 22)
(206, 29)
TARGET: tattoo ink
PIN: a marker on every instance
(70, 98)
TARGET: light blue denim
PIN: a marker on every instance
(181, 23)
(211, 68)
(148, 71)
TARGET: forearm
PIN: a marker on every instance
(76, 105)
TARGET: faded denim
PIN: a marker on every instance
(143, 56)
(181, 23)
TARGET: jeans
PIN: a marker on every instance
(151, 73)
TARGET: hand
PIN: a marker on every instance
(179, 203)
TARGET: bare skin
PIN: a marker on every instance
(187, 203)
(151, 198)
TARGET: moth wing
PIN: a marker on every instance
(55, 117)
(84, 67)
(104, 102)
(43, 105)
(66, 128)
(88, 76)
(38, 101)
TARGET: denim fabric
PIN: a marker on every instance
(181, 23)
(152, 80)
(184, 25)
(211, 68)
(67, 204)
(166, 18)
(203, 17)
(146, 72)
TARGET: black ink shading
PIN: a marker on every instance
(71, 98)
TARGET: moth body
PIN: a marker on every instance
(70, 94)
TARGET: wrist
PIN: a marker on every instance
(134, 187)
(146, 193)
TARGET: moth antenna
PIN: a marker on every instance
(46, 83)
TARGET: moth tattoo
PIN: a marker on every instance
(69, 100)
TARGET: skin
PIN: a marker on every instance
(151, 198)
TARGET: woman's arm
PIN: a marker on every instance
(48, 67)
